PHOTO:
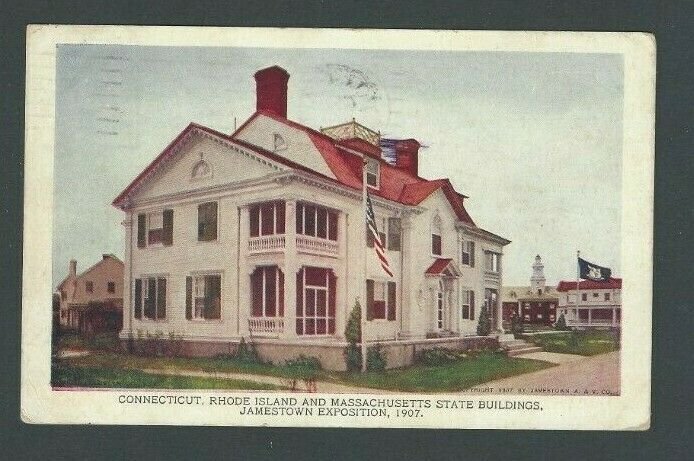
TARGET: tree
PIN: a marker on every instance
(484, 325)
(353, 336)
(561, 323)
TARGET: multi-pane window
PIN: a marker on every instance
(394, 234)
(204, 297)
(607, 296)
(467, 257)
(381, 300)
(315, 301)
(111, 287)
(372, 173)
(267, 218)
(155, 228)
(150, 298)
(89, 287)
(267, 292)
(468, 305)
(493, 261)
(207, 222)
(316, 221)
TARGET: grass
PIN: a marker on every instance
(588, 342)
(77, 376)
(456, 376)
(459, 375)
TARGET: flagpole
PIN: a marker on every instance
(578, 281)
(364, 272)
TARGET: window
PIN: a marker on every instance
(201, 169)
(372, 173)
(468, 307)
(468, 253)
(279, 142)
(207, 222)
(204, 297)
(436, 244)
(155, 228)
(607, 296)
(90, 287)
(584, 296)
(63, 295)
(595, 295)
(381, 300)
(315, 301)
(267, 218)
(111, 287)
(150, 297)
(316, 221)
(493, 261)
(267, 292)
(394, 234)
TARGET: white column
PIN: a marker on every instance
(127, 276)
(343, 302)
(290, 269)
(244, 271)
(589, 315)
(614, 316)
(408, 298)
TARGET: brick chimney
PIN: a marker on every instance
(407, 155)
(73, 268)
(271, 90)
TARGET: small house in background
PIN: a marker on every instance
(536, 304)
(92, 302)
(595, 304)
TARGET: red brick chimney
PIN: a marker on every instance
(72, 268)
(271, 90)
(407, 155)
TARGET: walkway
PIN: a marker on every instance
(597, 375)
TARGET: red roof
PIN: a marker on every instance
(442, 266)
(590, 285)
(396, 184)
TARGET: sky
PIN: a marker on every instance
(534, 139)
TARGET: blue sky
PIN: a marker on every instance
(534, 139)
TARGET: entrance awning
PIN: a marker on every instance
(443, 267)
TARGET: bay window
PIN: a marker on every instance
(493, 261)
(267, 218)
(267, 292)
(316, 221)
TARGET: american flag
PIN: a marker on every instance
(378, 244)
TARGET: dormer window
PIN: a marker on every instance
(372, 173)
(278, 142)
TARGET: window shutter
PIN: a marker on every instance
(161, 298)
(141, 230)
(150, 306)
(189, 298)
(300, 302)
(138, 298)
(472, 305)
(369, 299)
(213, 291)
(257, 292)
(472, 254)
(167, 238)
(394, 234)
(391, 301)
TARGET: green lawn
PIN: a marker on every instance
(588, 342)
(456, 376)
(78, 376)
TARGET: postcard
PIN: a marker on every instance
(327, 227)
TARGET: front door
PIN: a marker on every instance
(442, 306)
(491, 298)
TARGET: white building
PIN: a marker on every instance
(594, 304)
(261, 234)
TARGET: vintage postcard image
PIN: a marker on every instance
(369, 228)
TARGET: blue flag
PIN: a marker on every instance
(590, 271)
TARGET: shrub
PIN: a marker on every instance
(561, 323)
(436, 356)
(247, 352)
(303, 368)
(517, 327)
(484, 325)
(375, 358)
(352, 353)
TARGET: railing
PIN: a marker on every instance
(266, 326)
(266, 244)
(317, 245)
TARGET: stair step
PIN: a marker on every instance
(526, 350)
(513, 347)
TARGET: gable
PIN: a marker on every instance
(201, 160)
(294, 144)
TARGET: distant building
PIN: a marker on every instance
(93, 300)
(599, 304)
(535, 304)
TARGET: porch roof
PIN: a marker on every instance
(443, 267)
